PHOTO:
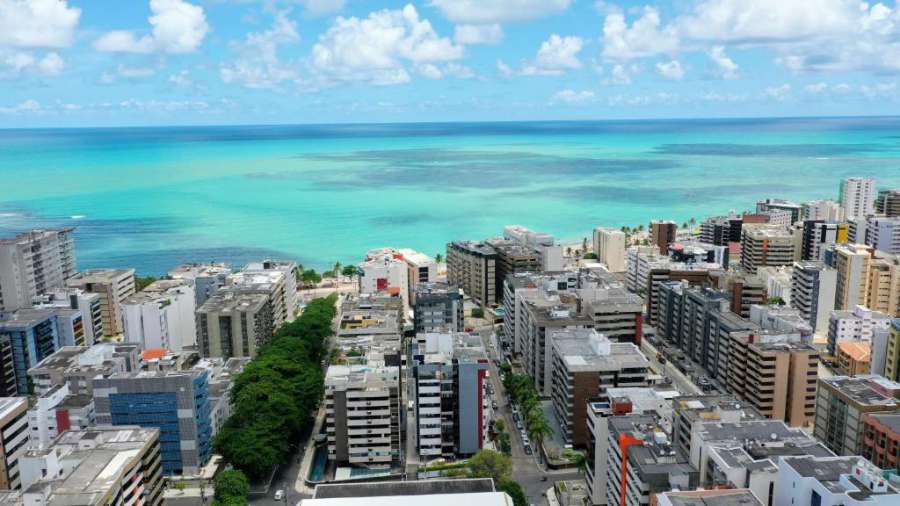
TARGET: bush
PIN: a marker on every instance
(490, 464)
(590, 256)
(515, 492)
(276, 397)
(231, 487)
(477, 312)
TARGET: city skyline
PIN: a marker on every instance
(160, 62)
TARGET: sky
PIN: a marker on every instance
(181, 62)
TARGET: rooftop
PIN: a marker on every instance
(842, 475)
(715, 407)
(727, 497)
(228, 299)
(22, 319)
(99, 276)
(196, 270)
(360, 377)
(857, 350)
(476, 247)
(34, 235)
(405, 488)
(8, 405)
(866, 390)
(891, 420)
(584, 350)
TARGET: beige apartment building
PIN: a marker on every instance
(13, 439)
(472, 266)
(852, 263)
(883, 287)
(113, 286)
(234, 324)
(764, 245)
(778, 378)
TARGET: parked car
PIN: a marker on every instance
(494, 406)
(528, 450)
(519, 425)
(279, 495)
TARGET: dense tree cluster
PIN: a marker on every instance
(276, 396)
(522, 389)
(232, 488)
(491, 464)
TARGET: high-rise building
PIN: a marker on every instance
(842, 402)
(854, 358)
(766, 245)
(56, 412)
(861, 324)
(887, 203)
(33, 335)
(883, 284)
(721, 230)
(162, 315)
(206, 278)
(852, 264)
(513, 257)
(642, 461)
(609, 246)
(818, 234)
(825, 210)
(892, 352)
(540, 319)
(616, 312)
(234, 324)
(881, 439)
(113, 286)
(883, 234)
(731, 497)
(75, 367)
(762, 206)
(13, 440)
(848, 481)
(689, 412)
(34, 263)
(662, 234)
(584, 365)
(384, 271)
(544, 244)
(777, 281)
(175, 402)
(472, 266)
(857, 197)
(438, 307)
(813, 287)
(276, 279)
(421, 269)
(362, 415)
(449, 377)
(87, 303)
(96, 466)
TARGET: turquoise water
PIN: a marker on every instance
(154, 197)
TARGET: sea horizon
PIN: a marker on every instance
(151, 197)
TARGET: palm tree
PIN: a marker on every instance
(640, 227)
(337, 269)
(439, 258)
(539, 430)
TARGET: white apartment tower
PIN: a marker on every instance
(609, 246)
(34, 263)
(857, 197)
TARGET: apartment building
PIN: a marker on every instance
(881, 439)
(28, 336)
(743, 290)
(818, 234)
(883, 234)
(746, 454)
(13, 440)
(857, 197)
(763, 206)
(585, 363)
(88, 304)
(642, 461)
(234, 324)
(848, 481)
(384, 271)
(56, 412)
(852, 264)
(450, 376)
(76, 367)
(861, 324)
(694, 274)
(542, 243)
(421, 268)
(113, 286)
(824, 210)
(523, 288)
(691, 411)
(206, 278)
(887, 203)
(362, 415)
(813, 288)
(842, 402)
(438, 306)
(662, 234)
(34, 263)
(854, 358)
(96, 466)
(777, 282)
(175, 402)
(724, 497)
(162, 315)
(721, 230)
(892, 352)
(609, 246)
(765, 245)
(472, 266)
(883, 286)
(275, 279)
(539, 323)
(616, 312)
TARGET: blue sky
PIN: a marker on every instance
(157, 62)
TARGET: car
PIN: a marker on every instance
(279, 495)
(519, 425)
(528, 450)
(526, 442)
(494, 405)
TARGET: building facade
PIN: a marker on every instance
(162, 315)
(857, 197)
(609, 246)
(841, 404)
(472, 266)
(113, 286)
(437, 307)
(233, 324)
(34, 263)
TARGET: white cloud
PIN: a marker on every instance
(177, 27)
(498, 11)
(321, 7)
(816, 88)
(504, 69)
(670, 70)
(257, 64)
(726, 68)
(376, 49)
(15, 63)
(182, 79)
(645, 37)
(28, 106)
(555, 56)
(37, 23)
(620, 75)
(126, 72)
(779, 93)
(568, 96)
(452, 69)
(478, 34)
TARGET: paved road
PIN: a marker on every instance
(526, 469)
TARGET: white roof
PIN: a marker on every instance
(471, 499)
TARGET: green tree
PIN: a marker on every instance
(141, 282)
(310, 277)
(775, 301)
(439, 258)
(336, 270)
(477, 312)
(515, 492)
(231, 487)
(490, 464)
(590, 256)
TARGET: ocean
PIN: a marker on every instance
(151, 198)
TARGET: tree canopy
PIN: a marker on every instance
(490, 464)
(276, 396)
(231, 487)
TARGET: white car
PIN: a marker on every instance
(279, 495)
